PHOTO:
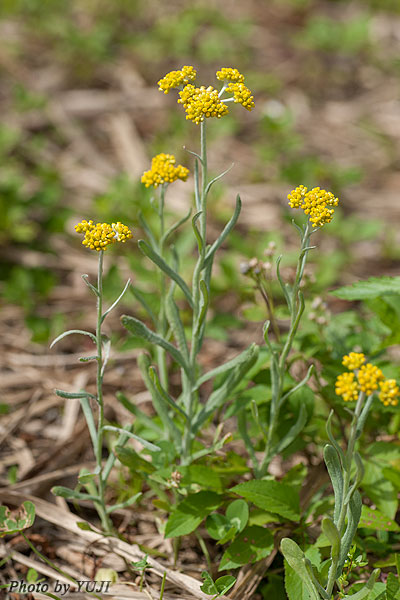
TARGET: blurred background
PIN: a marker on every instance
(82, 117)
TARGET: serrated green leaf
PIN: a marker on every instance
(189, 513)
(252, 544)
(272, 496)
(374, 519)
(374, 287)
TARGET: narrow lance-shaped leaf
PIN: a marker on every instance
(114, 304)
(94, 289)
(334, 467)
(160, 262)
(87, 411)
(158, 403)
(196, 232)
(164, 394)
(240, 358)
(174, 227)
(70, 332)
(211, 183)
(219, 396)
(144, 443)
(227, 229)
(64, 492)
(292, 433)
(138, 328)
(175, 322)
(330, 530)
(140, 298)
(332, 439)
(147, 230)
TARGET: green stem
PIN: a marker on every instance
(348, 461)
(101, 506)
(162, 320)
(189, 394)
(296, 311)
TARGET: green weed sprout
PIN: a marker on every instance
(359, 384)
(99, 237)
(184, 416)
(318, 205)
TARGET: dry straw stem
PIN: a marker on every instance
(190, 587)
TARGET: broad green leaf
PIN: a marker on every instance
(132, 460)
(208, 586)
(374, 519)
(331, 532)
(252, 544)
(225, 583)
(217, 525)
(374, 287)
(238, 514)
(392, 587)
(13, 521)
(272, 496)
(189, 513)
(202, 476)
(139, 329)
(296, 559)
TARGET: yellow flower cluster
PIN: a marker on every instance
(228, 74)
(201, 103)
(389, 392)
(353, 360)
(175, 79)
(316, 203)
(241, 94)
(101, 235)
(347, 387)
(368, 378)
(163, 170)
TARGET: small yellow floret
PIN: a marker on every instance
(369, 377)
(228, 74)
(315, 203)
(201, 103)
(353, 360)
(389, 392)
(347, 387)
(241, 94)
(163, 170)
(101, 235)
(175, 79)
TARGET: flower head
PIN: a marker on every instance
(316, 203)
(163, 170)
(389, 392)
(353, 360)
(369, 377)
(241, 94)
(101, 235)
(201, 103)
(347, 387)
(175, 79)
(228, 74)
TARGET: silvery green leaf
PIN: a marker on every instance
(331, 531)
(211, 183)
(64, 492)
(90, 285)
(129, 502)
(332, 439)
(139, 296)
(175, 322)
(144, 443)
(63, 394)
(138, 328)
(174, 227)
(240, 358)
(196, 232)
(334, 467)
(296, 559)
(114, 304)
(160, 262)
(363, 416)
(353, 519)
(147, 230)
(70, 332)
(227, 229)
(298, 386)
(87, 411)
